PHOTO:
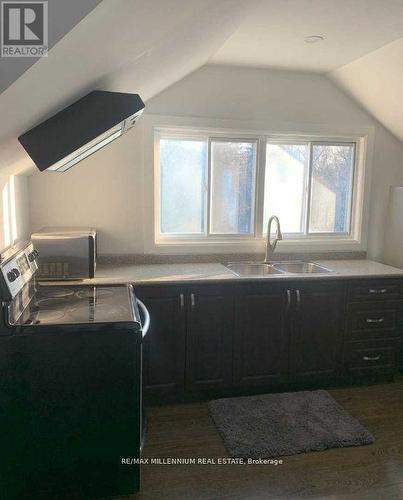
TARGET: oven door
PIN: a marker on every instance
(63, 434)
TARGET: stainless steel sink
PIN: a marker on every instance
(300, 267)
(252, 269)
(256, 269)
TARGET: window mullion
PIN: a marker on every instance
(308, 191)
(208, 190)
(259, 186)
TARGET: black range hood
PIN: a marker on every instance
(82, 128)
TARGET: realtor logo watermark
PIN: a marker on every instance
(24, 29)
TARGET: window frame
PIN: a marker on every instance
(207, 235)
(252, 233)
(352, 184)
(175, 236)
(307, 187)
(357, 233)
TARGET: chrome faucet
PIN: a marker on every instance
(270, 247)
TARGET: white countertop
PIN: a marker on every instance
(200, 273)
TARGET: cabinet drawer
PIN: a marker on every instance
(374, 320)
(371, 320)
(366, 357)
(376, 289)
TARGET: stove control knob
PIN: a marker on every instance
(13, 274)
(31, 256)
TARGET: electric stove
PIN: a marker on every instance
(70, 385)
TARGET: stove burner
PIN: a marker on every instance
(48, 303)
(48, 316)
(56, 293)
(75, 304)
(102, 312)
(93, 293)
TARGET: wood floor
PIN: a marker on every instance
(367, 472)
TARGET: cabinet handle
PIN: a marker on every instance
(192, 300)
(298, 299)
(182, 301)
(375, 320)
(371, 358)
(378, 290)
(288, 299)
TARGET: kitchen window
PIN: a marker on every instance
(309, 186)
(216, 187)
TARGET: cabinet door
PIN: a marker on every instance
(164, 344)
(209, 337)
(317, 332)
(262, 334)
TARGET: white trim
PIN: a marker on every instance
(255, 130)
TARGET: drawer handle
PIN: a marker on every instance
(375, 320)
(372, 358)
(378, 290)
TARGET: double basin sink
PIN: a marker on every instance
(255, 269)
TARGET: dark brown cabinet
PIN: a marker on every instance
(210, 325)
(164, 344)
(214, 339)
(371, 359)
(189, 343)
(317, 332)
(375, 289)
(289, 333)
(373, 329)
(261, 334)
(371, 320)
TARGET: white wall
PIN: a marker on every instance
(394, 229)
(375, 80)
(106, 190)
(20, 208)
(14, 207)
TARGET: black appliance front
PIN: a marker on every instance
(71, 408)
(70, 386)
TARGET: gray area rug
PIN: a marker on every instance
(276, 425)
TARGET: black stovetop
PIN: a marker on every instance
(79, 304)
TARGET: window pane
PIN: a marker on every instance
(233, 166)
(286, 166)
(331, 187)
(182, 178)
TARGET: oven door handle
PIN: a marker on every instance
(146, 323)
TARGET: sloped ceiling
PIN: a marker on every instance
(138, 46)
(273, 33)
(362, 50)
(63, 16)
(144, 46)
(376, 82)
